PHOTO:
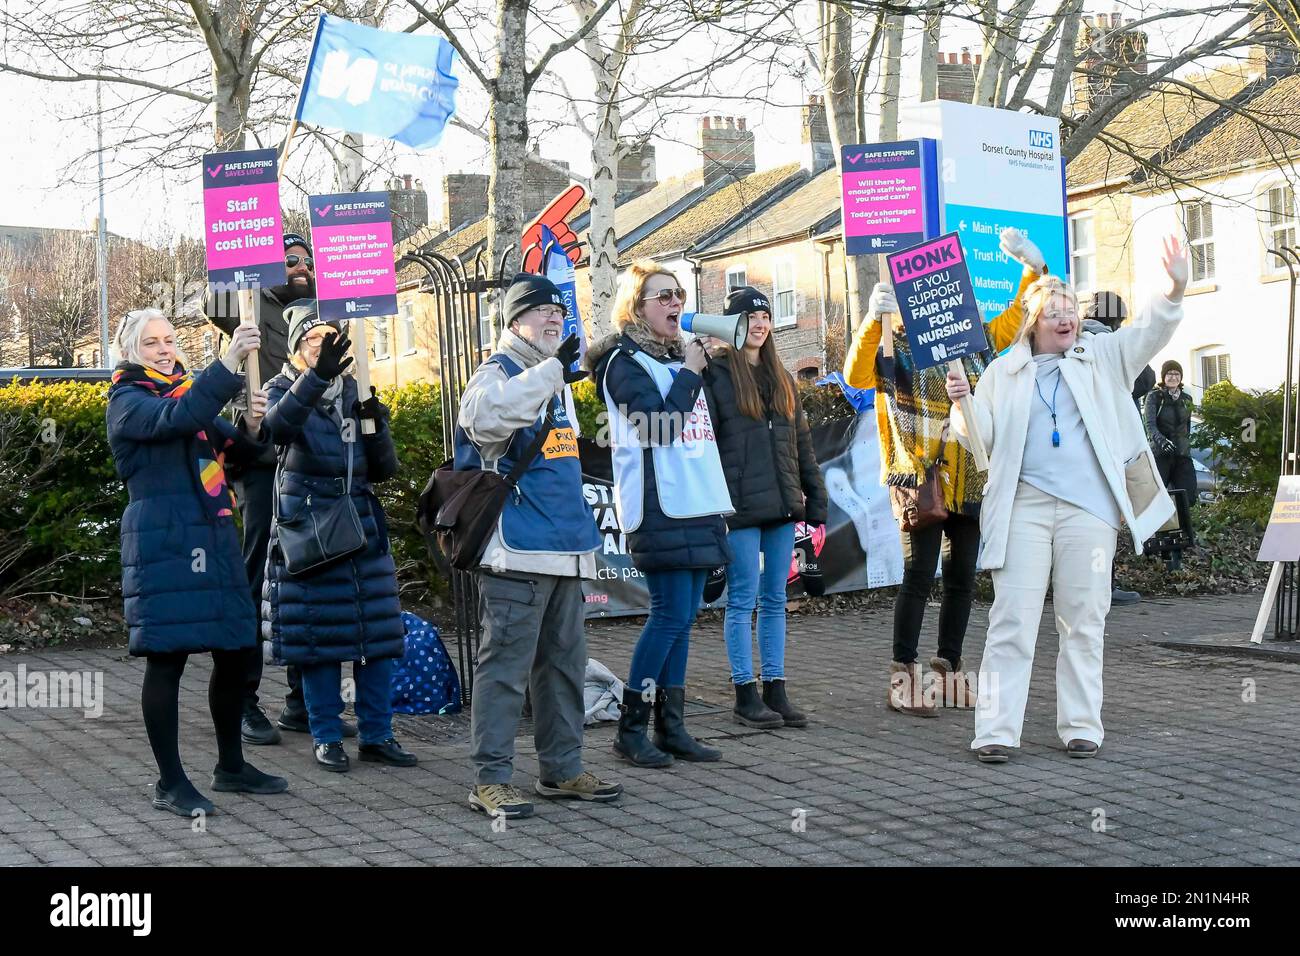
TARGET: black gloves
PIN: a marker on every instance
(1164, 446)
(372, 407)
(332, 362)
(567, 354)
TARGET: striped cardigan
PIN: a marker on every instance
(912, 407)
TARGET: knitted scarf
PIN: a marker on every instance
(652, 345)
(208, 454)
(913, 426)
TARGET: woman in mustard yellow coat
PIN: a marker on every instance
(912, 411)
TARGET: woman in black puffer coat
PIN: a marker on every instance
(346, 610)
(670, 496)
(774, 481)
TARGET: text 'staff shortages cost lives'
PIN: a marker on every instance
(243, 232)
(937, 301)
(352, 239)
(889, 197)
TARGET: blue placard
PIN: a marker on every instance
(937, 301)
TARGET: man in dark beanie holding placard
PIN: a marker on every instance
(530, 577)
(254, 484)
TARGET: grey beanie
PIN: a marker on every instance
(302, 317)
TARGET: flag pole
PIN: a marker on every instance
(302, 88)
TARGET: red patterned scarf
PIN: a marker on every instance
(209, 454)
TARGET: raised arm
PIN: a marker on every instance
(136, 414)
(496, 405)
(1133, 346)
(289, 408)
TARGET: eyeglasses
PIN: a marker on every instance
(665, 297)
(549, 311)
(316, 341)
(291, 261)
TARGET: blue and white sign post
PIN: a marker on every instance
(997, 168)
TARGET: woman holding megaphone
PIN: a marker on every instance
(1068, 461)
(670, 494)
(928, 472)
(774, 481)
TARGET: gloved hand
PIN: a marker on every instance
(567, 353)
(333, 356)
(1164, 445)
(372, 407)
(1019, 247)
(882, 301)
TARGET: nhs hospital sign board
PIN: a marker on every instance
(997, 168)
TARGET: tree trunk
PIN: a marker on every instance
(349, 163)
(1063, 72)
(842, 114)
(602, 268)
(891, 77)
(508, 134)
(229, 110)
(930, 57)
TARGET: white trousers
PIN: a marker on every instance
(1049, 539)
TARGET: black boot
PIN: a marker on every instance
(670, 728)
(774, 697)
(631, 743)
(753, 712)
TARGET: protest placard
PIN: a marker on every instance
(352, 237)
(937, 301)
(888, 195)
(243, 231)
(1282, 536)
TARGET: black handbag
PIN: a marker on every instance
(458, 509)
(325, 527)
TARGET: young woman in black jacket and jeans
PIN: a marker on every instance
(774, 481)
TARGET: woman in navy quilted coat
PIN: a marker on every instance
(183, 581)
(348, 609)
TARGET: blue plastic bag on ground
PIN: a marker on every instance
(424, 680)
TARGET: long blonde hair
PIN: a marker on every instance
(1035, 302)
(631, 287)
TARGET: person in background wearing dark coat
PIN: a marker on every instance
(774, 482)
(1105, 314)
(670, 495)
(1169, 429)
(254, 481)
(347, 609)
(183, 585)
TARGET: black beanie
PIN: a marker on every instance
(1170, 366)
(527, 291)
(302, 318)
(745, 299)
(1108, 308)
(292, 239)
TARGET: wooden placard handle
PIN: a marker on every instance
(361, 353)
(977, 449)
(252, 371)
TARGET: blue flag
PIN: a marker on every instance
(860, 398)
(394, 85)
(559, 270)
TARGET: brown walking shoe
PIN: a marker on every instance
(906, 694)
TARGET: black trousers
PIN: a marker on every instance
(958, 541)
(255, 491)
(1177, 471)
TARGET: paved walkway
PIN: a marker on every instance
(1198, 767)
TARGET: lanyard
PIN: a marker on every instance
(1051, 409)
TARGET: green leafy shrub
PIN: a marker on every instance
(1246, 428)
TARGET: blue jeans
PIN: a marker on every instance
(747, 584)
(322, 687)
(662, 648)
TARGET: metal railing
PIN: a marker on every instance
(1286, 611)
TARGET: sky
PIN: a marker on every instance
(37, 147)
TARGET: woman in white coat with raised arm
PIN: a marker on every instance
(1068, 461)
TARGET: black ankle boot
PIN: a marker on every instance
(631, 743)
(670, 728)
(774, 697)
(752, 712)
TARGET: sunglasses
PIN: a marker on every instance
(666, 296)
(291, 261)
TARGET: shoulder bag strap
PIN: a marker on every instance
(527, 457)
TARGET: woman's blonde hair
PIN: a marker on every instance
(1035, 302)
(631, 287)
(126, 343)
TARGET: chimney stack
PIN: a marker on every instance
(965, 56)
(636, 172)
(726, 150)
(409, 206)
(464, 199)
(816, 151)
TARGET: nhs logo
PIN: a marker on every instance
(343, 77)
(1040, 139)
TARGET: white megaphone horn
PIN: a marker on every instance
(732, 329)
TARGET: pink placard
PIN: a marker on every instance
(883, 202)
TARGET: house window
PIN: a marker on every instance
(1216, 365)
(96, 355)
(381, 338)
(207, 345)
(1083, 253)
(1199, 217)
(1279, 225)
(81, 359)
(487, 326)
(736, 277)
(783, 294)
(408, 327)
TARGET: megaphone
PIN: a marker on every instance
(732, 329)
